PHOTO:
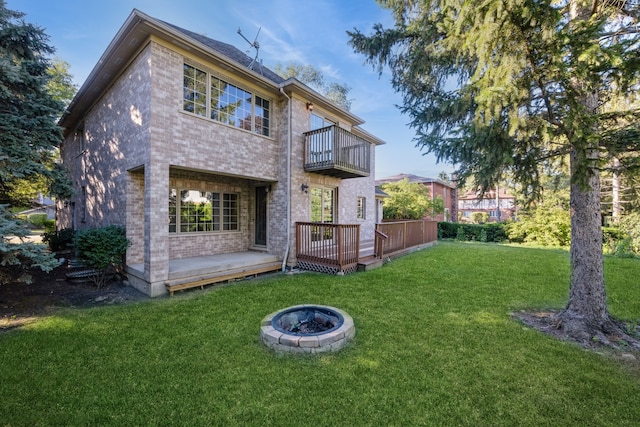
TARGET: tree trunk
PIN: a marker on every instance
(586, 317)
(616, 208)
(587, 296)
(587, 299)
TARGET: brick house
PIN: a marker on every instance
(471, 202)
(447, 191)
(208, 158)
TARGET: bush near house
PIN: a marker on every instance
(59, 240)
(103, 249)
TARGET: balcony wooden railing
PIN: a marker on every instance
(402, 235)
(327, 248)
(336, 152)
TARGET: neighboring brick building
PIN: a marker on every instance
(197, 149)
(447, 191)
(471, 202)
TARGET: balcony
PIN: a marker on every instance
(335, 152)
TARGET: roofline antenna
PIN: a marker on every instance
(254, 45)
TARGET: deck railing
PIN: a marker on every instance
(378, 245)
(331, 248)
(405, 234)
(334, 151)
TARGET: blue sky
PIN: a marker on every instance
(308, 32)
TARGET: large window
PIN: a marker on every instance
(192, 211)
(209, 96)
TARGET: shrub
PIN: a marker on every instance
(59, 240)
(623, 248)
(447, 230)
(630, 224)
(494, 232)
(545, 226)
(37, 219)
(479, 217)
(103, 249)
(49, 225)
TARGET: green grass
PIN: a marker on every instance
(435, 345)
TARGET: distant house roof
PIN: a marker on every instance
(413, 178)
(380, 193)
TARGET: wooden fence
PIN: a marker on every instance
(401, 235)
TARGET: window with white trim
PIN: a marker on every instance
(209, 96)
(194, 211)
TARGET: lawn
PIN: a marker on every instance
(435, 345)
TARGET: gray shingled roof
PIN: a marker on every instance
(230, 52)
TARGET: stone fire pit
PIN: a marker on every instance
(307, 329)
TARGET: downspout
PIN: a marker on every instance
(288, 187)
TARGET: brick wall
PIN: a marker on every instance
(140, 144)
(116, 138)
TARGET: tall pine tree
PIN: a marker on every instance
(28, 134)
(507, 85)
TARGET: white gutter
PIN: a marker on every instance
(288, 187)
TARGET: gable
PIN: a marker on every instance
(231, 52)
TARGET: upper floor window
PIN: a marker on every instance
(79, 141)
(209, 96)
(319, 122)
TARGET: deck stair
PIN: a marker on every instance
(369, 263)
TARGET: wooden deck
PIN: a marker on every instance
(327, 248)
(192, 272)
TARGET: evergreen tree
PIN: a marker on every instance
(29, 135)
(507, 85)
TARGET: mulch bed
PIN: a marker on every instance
(20, 303)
